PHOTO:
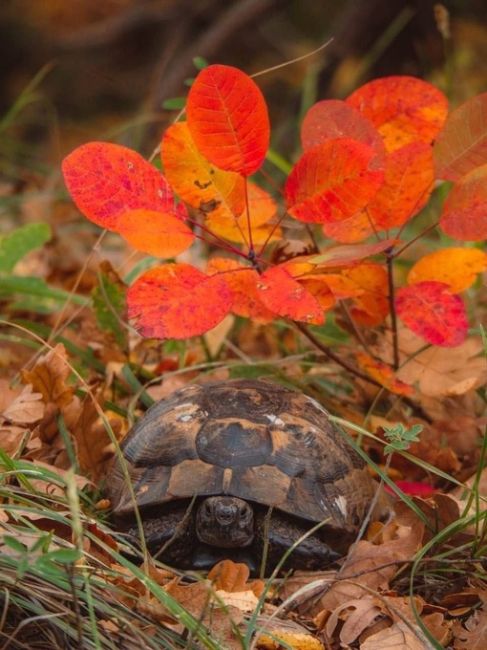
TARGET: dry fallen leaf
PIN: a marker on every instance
(50, 377)
(26, 408)
(397, 637)
(234, 577)
(356, 615)
(277, 634)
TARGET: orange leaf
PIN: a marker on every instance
(343, 255)
(235, 228)
(431, 311)
(408, 182)
(384, 374)
(462, 144)
(177, 301)
(286, 297)
(354, 229)
(403, 109)
(456, 267)
(320, 290)
(215, 192)
(105, 180)
(242, 283)
(334, 118)
(156, 233)
(227, 117)
(371, 306)
(464, 213)
(332, 181)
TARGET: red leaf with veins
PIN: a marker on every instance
(105, 180)
(431, 311)
(176, 301)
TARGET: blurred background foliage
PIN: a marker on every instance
(104, 68)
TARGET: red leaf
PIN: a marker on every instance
(228, 120)
(413, 488)
(464, 213)
(403, 109)
(156, 233)
(105, 180)
(462, 144)
(334, 118)
(177, 301)
(242, 282)
(284, 296)
(431, 311)
(332, 181)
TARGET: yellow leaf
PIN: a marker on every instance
(457, 267)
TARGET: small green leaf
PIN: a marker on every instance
(174, 104)
(400, 437)
(31, 286)
(200, 62)
(21, 241)
(63, 555)
(14, 544)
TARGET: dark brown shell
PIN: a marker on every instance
(246, 438)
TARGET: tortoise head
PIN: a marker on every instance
(226, 522)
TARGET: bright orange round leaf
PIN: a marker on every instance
(227, 117)
(177, 301)
(350, 231)
(105, 180)
(332, 181)
(242, 282)
(456, 267)
(372, 305)
(464, 213)
(216, 193)
(431, 311)
(286, 297)
(403, 109)
(155, 233)
(462, 144)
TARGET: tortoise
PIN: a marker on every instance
(240, 469)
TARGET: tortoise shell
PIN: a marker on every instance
(250, 439)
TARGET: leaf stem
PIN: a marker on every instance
(392, 307)
(331, 355)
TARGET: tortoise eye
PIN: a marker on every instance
(208, 508)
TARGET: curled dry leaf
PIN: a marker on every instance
(374, 564)
(233, 577)
(441, 371)
(357, 615)
(397, 637)
(26, 408)
(50, 377)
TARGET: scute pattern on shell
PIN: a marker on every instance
(246, 438)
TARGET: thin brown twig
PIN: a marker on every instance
(334, 357)
(392, 306)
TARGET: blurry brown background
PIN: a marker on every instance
(105, 67)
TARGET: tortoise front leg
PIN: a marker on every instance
(282, 532)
